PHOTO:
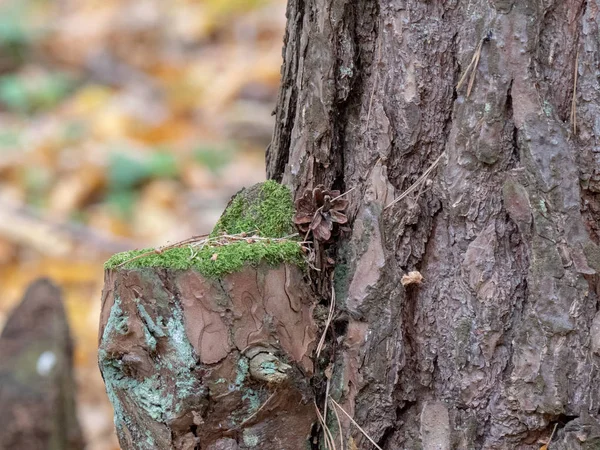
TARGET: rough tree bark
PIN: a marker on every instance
(502, 340)
(499, 346)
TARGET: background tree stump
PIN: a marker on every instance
(37, 389)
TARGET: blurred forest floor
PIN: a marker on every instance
(123, 124)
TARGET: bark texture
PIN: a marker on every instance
(502, 340)
(194, 363)
(37, 389)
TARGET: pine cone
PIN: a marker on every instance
(321, 211)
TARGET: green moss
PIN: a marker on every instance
(265, 209)
(229, 258)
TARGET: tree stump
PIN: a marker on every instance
(37, 389)
(197, 361)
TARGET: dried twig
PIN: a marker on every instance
(376, 80)
(329, 442)
(329, 319)
(215, 241)
(245, 421)
(574, 99)
(547, 445)
(337, 405)
(417, 183)
(158, 251)
(325, 403)
(472, 67)
(340, 430)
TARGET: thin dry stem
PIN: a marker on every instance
(325, 403)
(551, 436)
(329, 442)
(216, 241)
(340, 431)
(574, 99)
(417, 183)
(474, 61)
(337, 405)
(245, 421)
(166, 247)
(375, 81)
(329, 319)
(474, 69)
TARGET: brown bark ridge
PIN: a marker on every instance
(501, 342)
(192, 362)
(37, 389)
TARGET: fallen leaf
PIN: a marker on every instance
(214, 257)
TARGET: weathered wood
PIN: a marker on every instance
(37, 389)
(196, 363)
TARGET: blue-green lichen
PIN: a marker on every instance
(149, 393)
(250, 439)
(242, 371)
(265, 210)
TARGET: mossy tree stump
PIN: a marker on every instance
(208, 347)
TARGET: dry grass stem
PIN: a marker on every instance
(337, 405)
(166, 247)
(474, 69)
(325, 403)
(329, 442)
(472, 66)
(574, 99)
(375, 81)
(340, 430)
(215, 241)
(417, 183)
(546, 446)
(245, 421)
(328, 321)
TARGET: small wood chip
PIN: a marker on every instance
(413, 277)
(214, 257)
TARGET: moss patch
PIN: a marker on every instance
(265, 210)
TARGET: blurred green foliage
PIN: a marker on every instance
(126, 173)
(17, 32)
(214, 158)
(24, 95)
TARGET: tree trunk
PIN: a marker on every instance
(501, 342)
(480, 116)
